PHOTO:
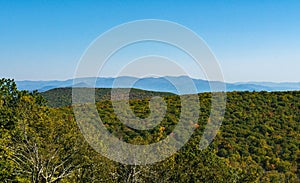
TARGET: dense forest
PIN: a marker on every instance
(258, 141)
(59, 97)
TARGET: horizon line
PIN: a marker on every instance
(194, 78)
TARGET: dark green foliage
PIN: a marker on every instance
(60, 97)
(263, 127)
(259, 135)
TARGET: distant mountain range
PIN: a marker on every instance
(160, 84)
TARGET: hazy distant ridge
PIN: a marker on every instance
(157, 84)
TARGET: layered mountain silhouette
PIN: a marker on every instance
(161, 84)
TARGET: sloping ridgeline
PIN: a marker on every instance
(59, 97)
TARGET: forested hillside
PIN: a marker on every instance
(258, 141)
(59, 97)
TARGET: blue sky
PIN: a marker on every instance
(255, 40)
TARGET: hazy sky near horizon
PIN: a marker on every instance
(254, 40)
